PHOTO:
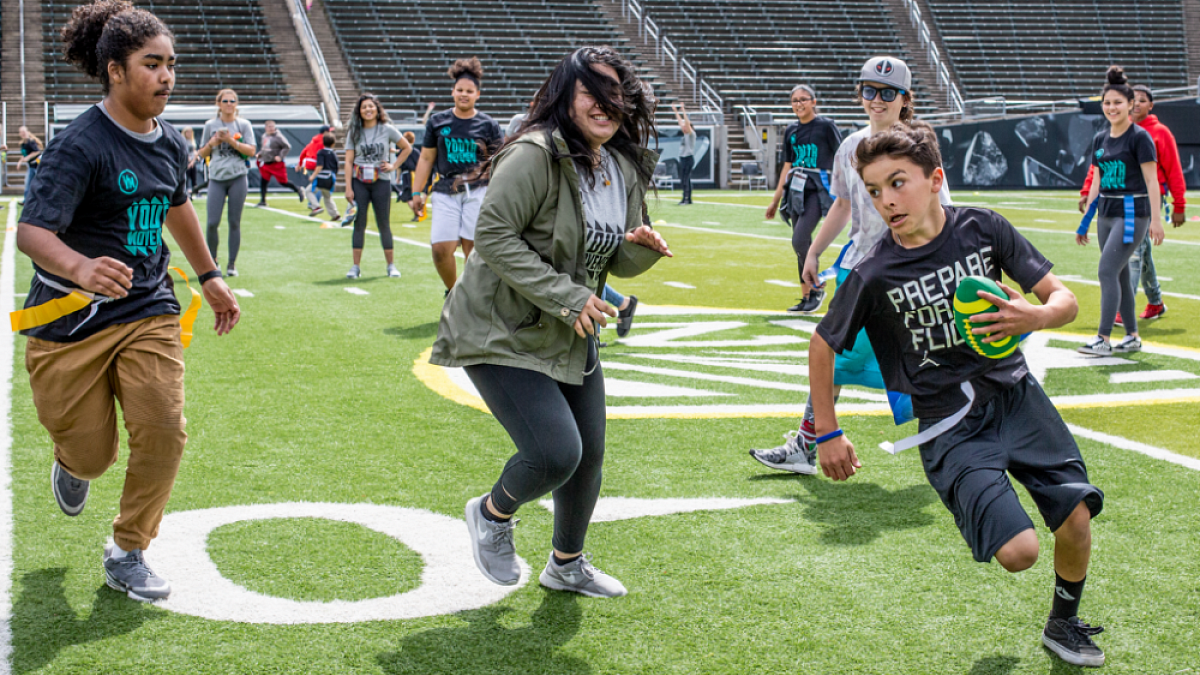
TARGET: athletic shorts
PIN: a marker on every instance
(1020, 432)
(276, 170)
(454, 215)
(858, 365)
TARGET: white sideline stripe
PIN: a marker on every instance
(1126, 444)
(1072, 233)
(457, 254)
(678, 284)
(734, 234)
(354, 290)
(1150, 376)
(280, 227)
(243, 292)
(785, 284)
(7, 303)
(709, 222)
(1075, 278)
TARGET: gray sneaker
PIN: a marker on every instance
(70, 492)
(1097, 346)
(580, 576)
(492, 545)
(132, 576)
(794, 455)
(1129, 345)
(393, 272)
(354, 273)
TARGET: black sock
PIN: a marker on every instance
(1066, 597)
(564, 561)
(487, 513)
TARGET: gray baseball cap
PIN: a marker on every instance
(887, 70)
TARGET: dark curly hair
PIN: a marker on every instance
(105, 31)
(470, 68)
(1115, 80)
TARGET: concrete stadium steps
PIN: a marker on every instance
(297, 75)
(1191, 17)
(31, 114)
(335, 59)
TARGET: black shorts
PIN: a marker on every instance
(1020, 432)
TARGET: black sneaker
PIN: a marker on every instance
(1071, 640)
(811, 303)
(70, 492)
(625, 317)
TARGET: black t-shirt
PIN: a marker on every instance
(28, 147)
(327, 168)
(107, 194)
(1120, 161)
(461, 144)
(812, 145)
(410, 164)
(905, 300)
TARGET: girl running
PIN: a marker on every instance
(524, 317)
(455, 142)
(1124, 164)
(370, 171)
(809, 145)
(884, 89)
(108, 185)
(227, 143)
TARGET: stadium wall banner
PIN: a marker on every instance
(1050, 150)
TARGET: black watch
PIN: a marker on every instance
(213, 274)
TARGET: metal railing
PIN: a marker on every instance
(708, 97)
(316, 61)
(935, 56)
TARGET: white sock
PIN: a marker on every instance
(118, 552)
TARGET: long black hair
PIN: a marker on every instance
(356, 121)
(631, 101)
(105, 31)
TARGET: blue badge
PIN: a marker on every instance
(1099, 153)
(445, 131)
(127, 182)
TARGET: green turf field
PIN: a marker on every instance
(319, 413)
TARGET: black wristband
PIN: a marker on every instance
(212, 274)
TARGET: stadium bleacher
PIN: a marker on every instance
(1056, 49)
(400, 50)
(220, 43)
(754, 51)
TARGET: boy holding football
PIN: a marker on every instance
(979, 417)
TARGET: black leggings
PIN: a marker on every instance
(686, 164)
(803, 228)
(264, 182)
(559, 433)
(377, 195)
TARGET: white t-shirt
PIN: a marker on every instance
(867, 225)
(604, 213)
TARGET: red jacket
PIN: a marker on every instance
(318, 143)
(1170, 171)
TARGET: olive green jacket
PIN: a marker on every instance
(525, 284)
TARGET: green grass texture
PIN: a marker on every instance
(313, 398)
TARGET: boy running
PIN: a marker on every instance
(979, 417)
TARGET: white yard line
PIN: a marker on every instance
(1075, 278)
(354, 290)
(243, 293)
(735, 234)
(7, 304)
(1126, 444)
(411, 242)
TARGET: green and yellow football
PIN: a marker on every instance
(967, 304)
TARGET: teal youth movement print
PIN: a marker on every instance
(461, 150)
(146, 218)
(127, 182)
(1112, 175)
(805, 154)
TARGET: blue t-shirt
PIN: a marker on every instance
(1120, 162)
(106, 193)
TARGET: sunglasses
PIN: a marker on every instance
(887, 94)
(228, 101)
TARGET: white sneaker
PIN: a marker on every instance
(393, 272)
(1097, 346)
(791, 456)
(1128, 345)
(580, 576)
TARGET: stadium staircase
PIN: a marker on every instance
(926, 59)
(400, 49)
(335, 59)
(292, 63)
(10, 79)
(220, 43)
(1059, 49)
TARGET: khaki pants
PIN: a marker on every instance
(74, 384)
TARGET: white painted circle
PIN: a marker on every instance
(449, 582)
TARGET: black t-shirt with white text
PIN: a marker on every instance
(905, 300)
(106, 193)
(1120, 162)
(461, 144)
